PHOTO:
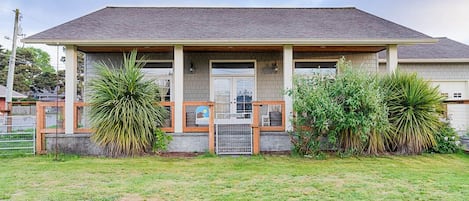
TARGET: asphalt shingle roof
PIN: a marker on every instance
(445, 48)
(3, 92)
(157, 23)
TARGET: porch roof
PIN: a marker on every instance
(445, 50)
(236, 26)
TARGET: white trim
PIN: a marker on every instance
(314, 60)
(224, 41)
(449, 60)
(178, 77)
(391, 59)
(70, 87)
(170, 77)
(288, 68)
(212, 97)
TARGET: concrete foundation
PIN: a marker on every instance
(189, 142)
(81, 144)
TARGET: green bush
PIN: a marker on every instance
(447, 140)
(162, 141)
(123, 112)
(414, 113)
(347, 110)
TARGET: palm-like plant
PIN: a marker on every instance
(413, 111)
(122, 112)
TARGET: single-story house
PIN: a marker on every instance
(225, 68)
(444, 64)
(3, 95)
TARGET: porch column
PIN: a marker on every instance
(70, 87)
(391, 58)
(178, 87)
(288, 83)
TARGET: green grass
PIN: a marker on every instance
(426, 177)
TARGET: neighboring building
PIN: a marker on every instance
(239, 59)
(446, 65)
(3, 94)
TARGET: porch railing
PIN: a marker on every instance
(267, 116)
(50, 119)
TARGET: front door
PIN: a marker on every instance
(233, 95)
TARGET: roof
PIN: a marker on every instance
(444, 49)
(118, 25)
(3, 92)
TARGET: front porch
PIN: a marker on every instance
(218, 79)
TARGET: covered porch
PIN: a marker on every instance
(204, 83)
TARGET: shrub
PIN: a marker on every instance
(348, 111)
(447, 140)
(361, 122)
(122, 109)
(161, 141)
(413, 111)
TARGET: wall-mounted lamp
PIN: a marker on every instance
(62, 59)
(275, 67)
(191, 68)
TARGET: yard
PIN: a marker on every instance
(426, 177)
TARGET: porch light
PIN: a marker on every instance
(275, 67)
(192, 68)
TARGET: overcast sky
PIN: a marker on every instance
(435, 18)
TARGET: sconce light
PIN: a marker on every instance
(275, 67)
(191, 68)
(62, 59)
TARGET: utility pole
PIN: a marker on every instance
(11, 65)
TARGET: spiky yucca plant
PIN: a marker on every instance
(122, 110)
(413, 111)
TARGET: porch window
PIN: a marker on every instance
(162, 73)
(457, 95)
(233, 68)
(315, 68)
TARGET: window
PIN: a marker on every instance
(161, 72)
(444, 95)
(457, 95)
(233, 68)
(316, 68)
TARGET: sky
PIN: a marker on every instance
(436, 18)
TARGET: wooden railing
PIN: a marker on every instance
(80, 124)
(196, 116)
(169, 123)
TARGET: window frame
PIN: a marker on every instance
(158, 77)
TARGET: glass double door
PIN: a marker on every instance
(233, 94)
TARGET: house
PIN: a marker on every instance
(3, 95)
(232, 62)
(444, 64)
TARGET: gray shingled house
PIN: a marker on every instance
(444, 64)
(225, 69)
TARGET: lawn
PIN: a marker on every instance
(426, 177)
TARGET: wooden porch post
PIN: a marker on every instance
(255, 128)
(40, 118)
(70, 87)
(211, 129)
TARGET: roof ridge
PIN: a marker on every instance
(225, 7)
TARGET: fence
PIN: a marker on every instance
(17, 135)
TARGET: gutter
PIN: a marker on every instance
(240, 42)
(442, 60)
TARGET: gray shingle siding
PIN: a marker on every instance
(435, 71)
(197, 84)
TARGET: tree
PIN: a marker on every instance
(29, 63)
